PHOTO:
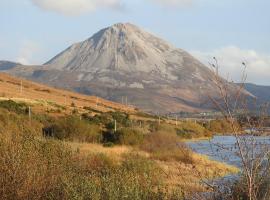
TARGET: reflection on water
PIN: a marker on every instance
(225, 149)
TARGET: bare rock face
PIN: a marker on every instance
(124, 48)
(123, 61)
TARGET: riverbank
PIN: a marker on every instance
(186, 176)
(196, 139)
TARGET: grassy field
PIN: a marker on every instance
(50, 98)
(186, 176)
(69, 148)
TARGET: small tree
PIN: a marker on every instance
(234, 101)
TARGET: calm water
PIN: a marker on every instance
(224, 148)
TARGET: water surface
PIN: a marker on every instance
(225, 149)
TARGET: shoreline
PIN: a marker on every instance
(196, 139)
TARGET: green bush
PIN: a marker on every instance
(192, 130)
(121, 118)
(221, 126)
(12, 106)
(129, 136)
(74, 129)
(11, 122)
(123, 136)
(100, 119)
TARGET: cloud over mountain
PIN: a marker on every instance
(174, 3)
(76, 7)
(230, 59)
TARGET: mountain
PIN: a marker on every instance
(262, 93)
(124, 63)
(7, 65)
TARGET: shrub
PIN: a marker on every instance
(192, 130)
(123, 136)
(31, 168)
(221, 126)
(35, 168)
(12, 106)
(166, 147)
(121, 118)
(11, 122)
(74, 129)
(129, 136)
(108, 144)
(100, 119)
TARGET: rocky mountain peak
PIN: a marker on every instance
(123, 60)
(123, 47)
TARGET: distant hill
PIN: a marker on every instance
(261, 92)
(124, 63)
(7, 65)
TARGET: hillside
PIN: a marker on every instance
(125, 63)
(42, 96)
(7, 65)
(262, 93)
(56, 153)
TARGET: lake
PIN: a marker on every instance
(224, 148)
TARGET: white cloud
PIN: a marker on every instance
(174, 3)
(28, 52)
(76, 7)
(230, 60)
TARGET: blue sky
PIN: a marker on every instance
(33, 31)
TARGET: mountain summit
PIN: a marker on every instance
(126, 62)
(127, 48)
(119, 47)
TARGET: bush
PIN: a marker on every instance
(11, 122)
(12, 106)
(74, 129)
(101, 119)
(31, 168)
(121, 118)
(129, 136)
(166, 147)
(190, 130)
(124, 136)
(221, 126)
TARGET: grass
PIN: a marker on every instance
(221, 126)
(189, 130)
(19, 108)
(183, 175)
(10, 86)
(75, 129)
(147, 161)
(188, 177)
(48, 169)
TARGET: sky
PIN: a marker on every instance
(233, 31)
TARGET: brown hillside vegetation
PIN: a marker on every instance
(38, 94)
(71, 148)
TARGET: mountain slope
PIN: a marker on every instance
(262, 93)
(123, 62)
(27, 91)
(7, 65)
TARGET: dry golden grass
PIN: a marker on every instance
(177, 174)
(115, 152)
(189, 176)
(38, 94)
